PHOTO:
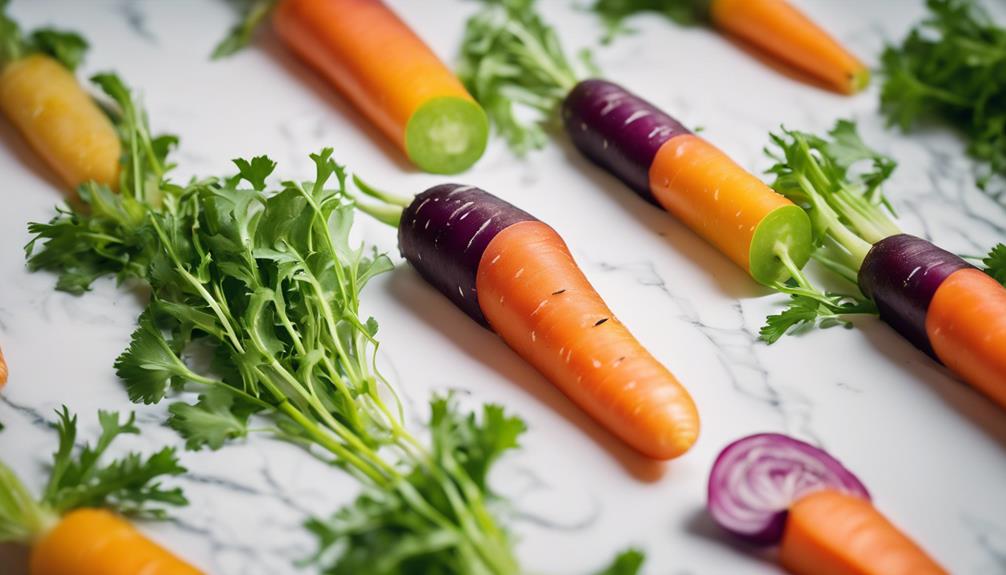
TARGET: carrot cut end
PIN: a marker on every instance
(447, 135)
(785, 228)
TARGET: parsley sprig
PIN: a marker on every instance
(953, 66)
(614, 12)
(79, 478)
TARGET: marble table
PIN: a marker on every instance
(930, 449)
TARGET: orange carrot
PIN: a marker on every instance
(729, 207)
(966, 325)
(43, 99)
(778, 28)
(834, 533)
(387, 72)
(533, 294)
(3, 370)
(99, 542)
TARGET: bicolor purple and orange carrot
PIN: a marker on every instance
(651, 152)
(513, 274)
(942, 304)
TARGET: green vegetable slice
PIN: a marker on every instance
(447, 135)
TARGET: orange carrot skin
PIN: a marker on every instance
(834, 533)
(966, 325)
(721, 201)
(99, 542)
(372, 58)
(786, 33)
(536, 298)
(3, 370)
(60, 120)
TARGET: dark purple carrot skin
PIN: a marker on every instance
(618, 130)
(901, 274)
(444, 232)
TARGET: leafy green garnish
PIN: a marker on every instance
(628, 562)
(68, 48)
(953, 66)
(513, 65)
(844, 199)
(129, 485)
(269, 282)
(615, 12)
(837, 180)
(995, 263)
(253, 13)
(806, 311)
(380, 532)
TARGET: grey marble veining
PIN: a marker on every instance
(932, 451)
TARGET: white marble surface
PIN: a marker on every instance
(930, 449)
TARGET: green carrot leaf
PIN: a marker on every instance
(215, 419)
(995, 263)
(69, 48)
(253, 13)
(475, 443)
(628, 562)
(130, 484)
(614, 12)
(806, 311)
(149, 364)
(256, 170)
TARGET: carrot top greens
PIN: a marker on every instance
(953, 66)
(514, 66)
(129, 485)
(615, 12)
(68, 48)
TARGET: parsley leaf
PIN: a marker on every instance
(995, 263)
(212, 421)
(952, 66)
(254, 12)
(69, 48)
(807, 310)
(615, 12)
(513, 64)
(128, 484)
(628, 562)
(150, 364)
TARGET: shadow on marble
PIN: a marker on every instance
(313, 81)
(701, 525)
(12, 141)
(777, 66)
(935, 379)
(407, 287)
(732, 282)
(14, 559)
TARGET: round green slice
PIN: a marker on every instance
(446, 135)
(786, 229)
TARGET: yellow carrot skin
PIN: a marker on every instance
(99, 542)
(3, 370)
(60, 120)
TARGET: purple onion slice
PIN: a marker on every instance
(756, 479)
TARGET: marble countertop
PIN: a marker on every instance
(930, 449)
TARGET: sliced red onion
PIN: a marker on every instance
(756, 479)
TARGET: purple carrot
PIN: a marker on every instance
(901, 274)
(618, 130)
(444, 232)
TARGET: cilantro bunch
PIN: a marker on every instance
(78, 479)
(953, 66)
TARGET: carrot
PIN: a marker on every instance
(834, 533)
(966, 325)
(728, 206)
(536, 298)
(43, 99)
(386, 71)
(781, 30)
(3, 370)
(99, 542)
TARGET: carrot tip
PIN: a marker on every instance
(859, 80)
